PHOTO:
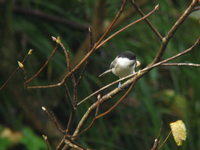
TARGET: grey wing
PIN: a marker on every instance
(113, 64)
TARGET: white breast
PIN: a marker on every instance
(123, 67)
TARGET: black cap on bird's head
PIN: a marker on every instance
(127, 54)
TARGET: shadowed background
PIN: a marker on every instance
(164, 95)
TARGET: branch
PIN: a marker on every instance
(165, 140)
(82, 50)
(155, 145)
(47, 142)
(129, 25)
(173, 57)
(172, 31)
(127, 83)
(43, 66)
(148, 68)
(117, 103)
(95, 47)
(146, 20)
(17, 69)
(73, 145)
(181, 64)
(53, 119)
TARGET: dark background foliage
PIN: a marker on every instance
(164, 95)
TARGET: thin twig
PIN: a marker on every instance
(127, 26)
(88, 54)
(53, 119)
(15, 71)
(61, 144)
(91, 37)
(46, 141)
(165, 140)
(73, 144)
(153, 28)
(172, 31)
(181, 64)
(95, 47)
(127, 83)
(145, 69)
(157, 140)
(67, 56)
(105, 87)
(173, 57)
(72, 109)
(43, 66)
(117, 103)
(155, 145)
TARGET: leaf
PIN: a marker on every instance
(178, 131)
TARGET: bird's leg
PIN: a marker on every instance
(119, 85)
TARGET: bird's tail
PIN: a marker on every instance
(105, 72)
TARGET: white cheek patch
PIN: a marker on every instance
(124, 62)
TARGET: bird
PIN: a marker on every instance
(123, 65)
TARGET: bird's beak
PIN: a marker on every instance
(138, 63)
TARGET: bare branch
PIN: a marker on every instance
(53, 119)
(181, 64)
(127, 83)
(117, 103)
(16, 70)
(153, 28)
(105, 87)
(145, 69)
(88, 54)
(73, 145)
(127, 26)
(172, 31)
(155, 145)
(91, 37)
(46, 141)
(43, 66)
(173, 57)
(165, 140)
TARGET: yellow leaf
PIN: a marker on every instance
(178, 131)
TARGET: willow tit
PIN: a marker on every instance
(123, 65)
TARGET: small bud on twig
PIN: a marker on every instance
(53, 38)
(30, 52)
(45, 137)
(57, 40)
(43, 108)
(157, 6)
(20, 64)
